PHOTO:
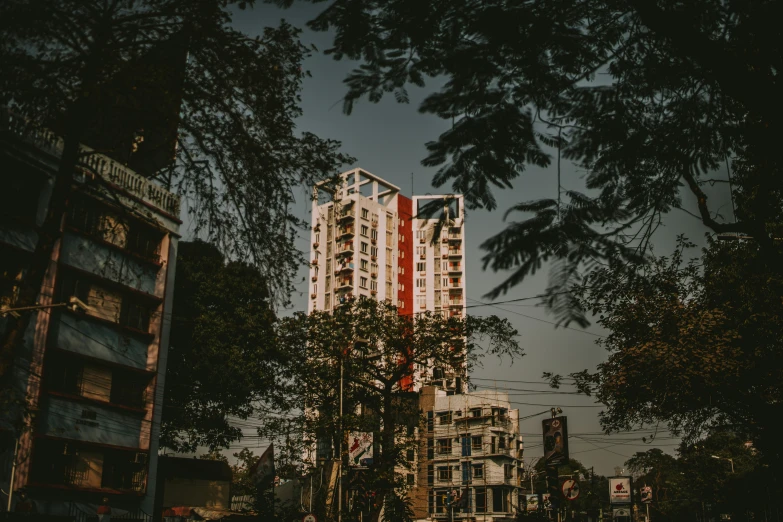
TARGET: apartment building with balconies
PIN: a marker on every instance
(471, 445)
(439, 272)
(368, 240)
(92, 378)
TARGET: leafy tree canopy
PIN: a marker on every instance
(694, 345)
(684, 483)
(223, 361)
(379, 352)
(86, 67)
(685, 88)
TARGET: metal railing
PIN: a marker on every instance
(102, 165)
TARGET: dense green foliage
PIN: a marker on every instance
(222, 361)
(694, 485)
(645, 97)
(695, 345)
(378, 350)
(87, 68)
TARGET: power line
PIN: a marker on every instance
(533, 318)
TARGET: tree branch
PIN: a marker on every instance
(704, 211)
(752, 90)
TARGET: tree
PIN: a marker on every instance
(223, 362)
(672, 491)
(241, 482)
(87, 68)
(378, 352)
(695, 479)
(693, 345)
(645, 97)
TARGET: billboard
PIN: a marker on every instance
(620, 490)
(555, 441)
(359, 449)
(532, 502)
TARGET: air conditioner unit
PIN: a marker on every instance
(422, 240)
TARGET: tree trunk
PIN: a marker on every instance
(386, 464)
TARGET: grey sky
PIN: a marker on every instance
(388, 140)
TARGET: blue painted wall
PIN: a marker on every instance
(80, 252)
(88, 337)
(63, 418)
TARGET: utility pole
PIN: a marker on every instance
(13, 473)
(340, 453)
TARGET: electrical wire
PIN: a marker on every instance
(534, 318)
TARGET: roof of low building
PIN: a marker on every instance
(192, 468)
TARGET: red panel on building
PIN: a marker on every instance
(405, 255)
(405, 263)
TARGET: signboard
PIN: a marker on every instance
(555, 441)
(532, 502)
(646, 494)
(309, 518)
(359, 449)
(620, 490)
(621, 513)
(570, 489)
(547, 501)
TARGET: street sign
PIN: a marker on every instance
(646, 494)
(309, 518)
(570, 489)
(360, 452)
(532, 502)
(620, 490)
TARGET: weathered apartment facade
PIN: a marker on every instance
(473, 447)
(93, 377)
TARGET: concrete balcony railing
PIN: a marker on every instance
(96, 164)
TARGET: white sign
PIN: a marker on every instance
(621, 513)
(359, 449)
(570, 489)
(309, 518)
(532, 502)
(620, 490)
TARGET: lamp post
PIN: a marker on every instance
(731, 461)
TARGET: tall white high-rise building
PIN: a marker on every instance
(369, 240)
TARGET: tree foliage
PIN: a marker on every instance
(223, 363)
(695, 481)
(645, 97)
(379, 352)
(692, 344)
(65, 63)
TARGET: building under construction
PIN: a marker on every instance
(470, 457)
